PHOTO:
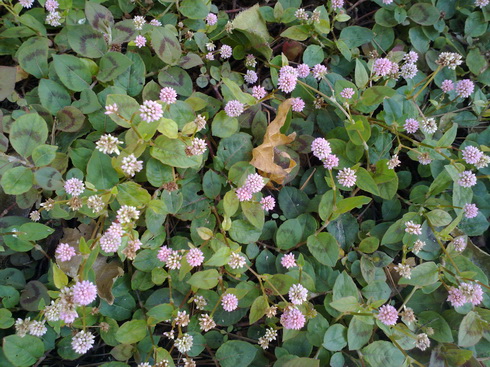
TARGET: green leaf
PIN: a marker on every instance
(346, 304)
(369, 244)
(243, 232)
(112, 64)
(442, 330)
(258, 309)
(53, 96)
(166, 45)
(70, 119)
(127, 107)
(224, 126)
(250, 20)
(355, 36)
(292, 201)
(302, 362)
(237, 92)
(206, 279)
(86, 41)
(359, 131)
(34, 231)
(44, 154)
(346, 205)
(23, 351)
(220, 257)
(439, 217)
(471, 329)
(73, 72)
(358, 333)
(422, 275)
(7, 81)
(476, 24)
(172, 152)
(176, 78)
(382, 354)
(132, 80)
(28, 132)
(235, 353)
(424, 13)
(254, 213)
(6, 320)
(375, 95)
(361, 74)
(281, 284)
(335, 338)
(17, 180)
(99, 17)
(49, 178)
(161, 312)
(132, 332)
(324, 248)
(59, 277)
(289, 234)
(33, 56)
(130, 193)
(344, 287)
(194, 9)
(366, 182)
(100, 171)
(296, 32)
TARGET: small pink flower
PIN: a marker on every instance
(164, 253)
(297, 104)
(382, 67)
(287, 82)
(229, 302)
(254, 182)
(64, 252)
(330, 161)
(413, 228)
(140, 41)
(447, 86)
(84, 292)
(243, 193)
(288, 261)
(226, 51)
(74, 186)
(320, 148)
(251, 77)
(470, 211)
(211, 19)
(258, 92)
(168, 95)
(411, 125)
(388, 315)
(456, 297)
(110, 109)
(337, 4)
(319, 71)
(411, 57)
(297, 294)
(234, 108)
(347, 177)
(268, 203)
(293, 319)
(303, 70)
(195, 257)
(467, 179)
(347, 93)
(471, 154)
(464, 88)
(51, 5)
(151, 111)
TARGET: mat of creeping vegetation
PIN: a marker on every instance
(284, 183)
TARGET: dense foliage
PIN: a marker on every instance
(283, 184)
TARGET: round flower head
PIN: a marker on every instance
(130, 165)
(388, 315)
(303, 70)
(321, 148)
(301, 14)
(408, 71)
(382, 67)
(139, 22)
(287, 82)
(471, 154)
(404, 270)
(194, 257)
(211, 19)
(447, 86)
(236, 261)
(26, 3)
(234, 108)
(449, 59)
(297, 294)
(64, 252)
(297, 104)
(411, 126)
(251, 77)
(35, 216)
(74, 186)
(226, 51)
(418, 246)
(198, 147)
(229, 302)
(470, 211)
(164, 253)
(51, 5)
(53, 19)
(413, 228)
(37, 328)
(393, 162)
(411, 57)
(347, 93)
(330, 161)
(319, 71)
(347, 177)
(108, 144)
(254, 182)
(151, 111)
(206, 322)
(337, 4)
(268, 203)
(84, 292)
(460, 243)
(168, 95)
(464, 88)
(293, 319)
(456, 297)
(467, 179)
(244, 194)
(82, 342)
(140, 41)
(184, 343)
(288, 261)
(424, 159)
(422, 342)
(250, 61)
(155, 22)
(258, 92)
(127, 214)
(429, 126)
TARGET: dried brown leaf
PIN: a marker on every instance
(105, 276)
(264, 156)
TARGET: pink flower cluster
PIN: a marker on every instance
(234, 108)
(322, 150)
(64, 252)
(253, 184)
(293, 319)
(384, 67)
(465, 293)
(288, 261)
(388, 315)
(84, 292)
(470, 211)
(171, 257)
(112, 238)
(288, 78)
(195, 257)
(229, 302)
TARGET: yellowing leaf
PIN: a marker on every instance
(263, 157)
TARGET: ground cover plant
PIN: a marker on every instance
(283, 183)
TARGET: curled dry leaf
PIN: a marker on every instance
(105, 276)
(265, 156)
(72, 237)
